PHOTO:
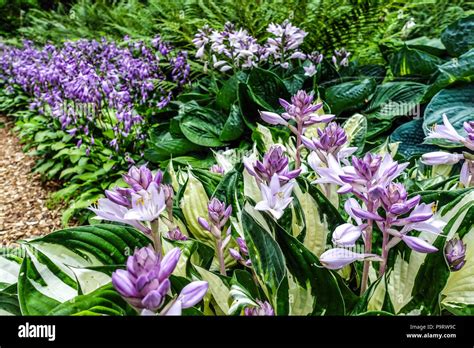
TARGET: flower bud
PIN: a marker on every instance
(455, 252)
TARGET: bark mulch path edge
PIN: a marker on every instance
(23, 196)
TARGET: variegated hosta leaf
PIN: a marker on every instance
(241, 299)
(72, 262)
(194, 205)
(218, 290)
(458, 294)
(10, 262)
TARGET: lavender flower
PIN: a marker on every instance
(218, 215)
(341, 58)
(447, 132)
(332, 140)
(285, 43)
(147, 205)
(241, 255)
(261, 308)
(176, 234)
(370, 179)
(276, 197)
(303, 112)
(217, 169)
(274, 162)
(455, 253)
(145, 283)
(141, 178)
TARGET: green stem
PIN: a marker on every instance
(155, 225)
(220, 256)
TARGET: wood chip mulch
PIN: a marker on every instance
(23, 196)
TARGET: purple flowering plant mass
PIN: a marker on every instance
(245, 174)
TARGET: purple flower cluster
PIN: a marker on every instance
(381, 202)
(145, 283)
(91, 86)
(341, 58)
(231, 48)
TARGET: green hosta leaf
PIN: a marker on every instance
(167, 146)
(457, 70)
(412, 62)
(458, 105)
(349, 96)
(431, 46)
(267, 88)
(458, 37)
(88, 246)
(266, 255)
(319, 215)
(9, 304)
(228, 93)
(394, 99)
(103, 301)
(410, 136)
(249, 109)
(458, 293)
(42, 284)
(202, 126)
(234, 126)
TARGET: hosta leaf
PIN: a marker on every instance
(457, 37)
(194, 205)
(94, 245)
(413, 62)
(103, 301)
(218, 289)
(356, 130)
(202, 126)
(458, 105)
(267, 88)
(9, 304)
(410, 136)
(394, 99)
(349, 96)
(234, 125)
(457, 70)
(10, 263)
(309, 273)
(266, 255)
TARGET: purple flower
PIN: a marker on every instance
(261, 308)
(217, 169)
(108, 210)
(338, 257)
(455, 253)
(341, 57)
(147, 205)
(242, 254)
(302, 110)
(190, 295)
(145, 283)
(274, 162)
(218, 213)
(176, 234)
(440, 157)
(276, 197)
(141, 178)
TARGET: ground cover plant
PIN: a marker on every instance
(238, 171)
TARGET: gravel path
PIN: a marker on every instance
(23, 197)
